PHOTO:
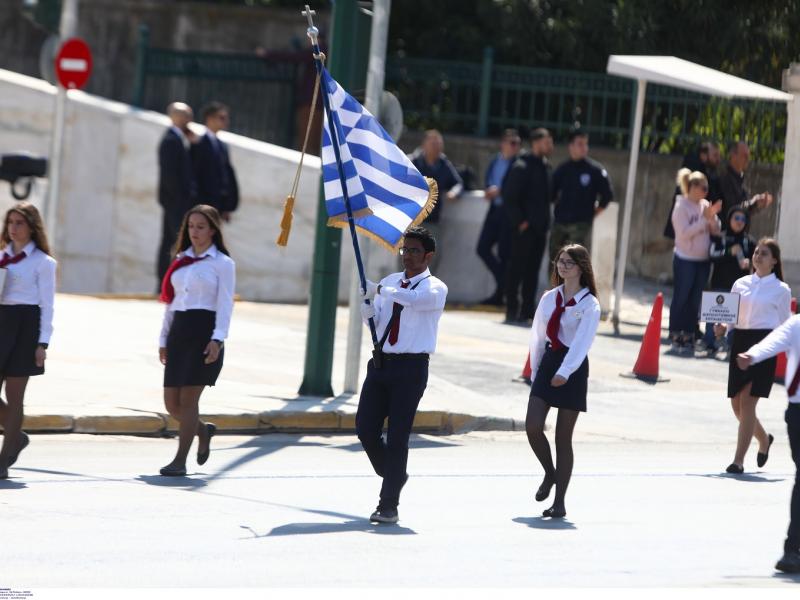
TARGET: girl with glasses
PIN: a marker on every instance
(695, 221)
(563, 330)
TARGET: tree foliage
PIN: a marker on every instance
(756, 40)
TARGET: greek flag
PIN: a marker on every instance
(387, 193)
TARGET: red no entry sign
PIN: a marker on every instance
(73, 64)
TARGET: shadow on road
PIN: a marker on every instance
(10, 484)
(260, 447)
(542, 523)
(172, 482)
(350, 523)
(415, 442)
(749, 477)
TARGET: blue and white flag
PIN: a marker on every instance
(387, 193)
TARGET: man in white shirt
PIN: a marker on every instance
(786, 338)
(406, 308)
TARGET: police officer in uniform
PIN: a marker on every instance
(406, 308)
(581, 190)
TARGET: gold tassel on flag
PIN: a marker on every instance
(288, 207)
(286, 221)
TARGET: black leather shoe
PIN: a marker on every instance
(762, 457)
(384, 515)
(202, 457)
(554, 514)
(544, 490)
(734, 469)
(789, 562)
(170, 471)
(22, 445)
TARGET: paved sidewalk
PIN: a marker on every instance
(103, 376)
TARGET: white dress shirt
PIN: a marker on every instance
(32, 281)
(419, 320)
(207, 284)
(578, 327)
(785, 338)
(765, 302)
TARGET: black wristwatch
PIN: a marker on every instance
(43, 345)
(220, 342)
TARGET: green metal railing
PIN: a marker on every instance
(484, 98)
(260, 94)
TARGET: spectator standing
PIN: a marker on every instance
(432, 162)
(731, 253)
(581, 190)
(496, 231)
(526, 194)
(695, 220)
(706, 160)
(177, 191)
(216, 179)
(734, 192)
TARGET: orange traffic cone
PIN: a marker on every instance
(525, 377)
(646, 367)
(780, 368)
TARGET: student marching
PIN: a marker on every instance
(198, 290)
(27, 283)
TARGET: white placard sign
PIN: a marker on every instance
(719, 307)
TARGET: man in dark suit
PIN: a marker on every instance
(177, 192)
(216, 180)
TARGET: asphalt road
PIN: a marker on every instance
(285, 510)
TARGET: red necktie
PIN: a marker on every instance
(167, 289)
(11, 260)
(394, 332)
(555, 321)
(795, 382)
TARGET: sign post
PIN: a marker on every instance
(73, 65)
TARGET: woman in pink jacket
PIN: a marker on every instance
(695, 221)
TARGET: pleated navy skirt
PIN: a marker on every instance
(19, 337)
(188, 337)
(571, 395)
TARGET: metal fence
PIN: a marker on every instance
(484, 98)
(260, 94)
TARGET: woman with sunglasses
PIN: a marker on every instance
(563, 330)
(764, 304)
(695, 220)
(731, 253)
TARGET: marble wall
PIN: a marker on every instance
(108, 225)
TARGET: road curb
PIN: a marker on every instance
(433, 421)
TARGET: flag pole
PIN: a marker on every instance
(313, 34)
